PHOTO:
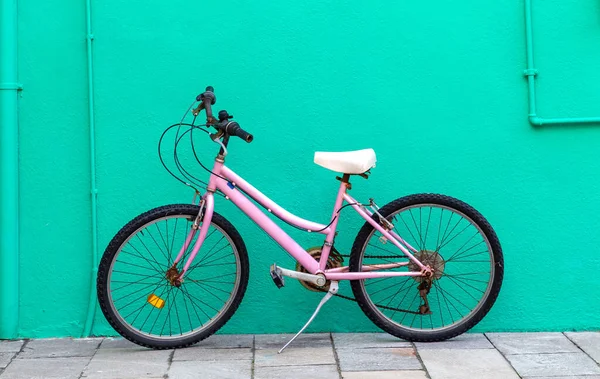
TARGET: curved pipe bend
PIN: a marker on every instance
(531, 73)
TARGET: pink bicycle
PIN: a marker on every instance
(424, 267)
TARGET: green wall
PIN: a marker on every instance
(436, 88)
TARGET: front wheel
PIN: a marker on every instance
(459, 245)
(135, 288)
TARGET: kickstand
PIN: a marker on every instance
(333, 288)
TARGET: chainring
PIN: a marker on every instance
(333, 261)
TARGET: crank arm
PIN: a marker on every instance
(318, 280)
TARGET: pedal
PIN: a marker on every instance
(276, 276)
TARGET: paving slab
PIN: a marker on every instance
(60, 347)
(367, 340)
(131, 363)
(297, 372)
(464, 341)
(532, 343)
(588, 342)
(10, 346)
(466, 363)
(5, 359)
(46, 368)
(554, 364)
(293, 356)
(120, 343)
(403, 374)
(379, 359)
(203, 354)
(227, 341)
(211, 370)
(277, 341)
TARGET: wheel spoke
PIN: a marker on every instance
(132, 264)
(455, 259)
(456, 235)
(427, 227)
(172, 242)
(187, 310)
(408, 229)
(458, 251)
(131, 283)
(417, 229)
(194, 304)
(471, 280)
(466, 284)
(437, 247)
(186, 255)
(444, 236)
(139, 290)
(173, 313)
(156, 243)
(148, 250)
(393, 295)
(411, 303)
(386, 250)
(139, 255)
(207, 291)
(152, 312)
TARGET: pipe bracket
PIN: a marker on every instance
(530, 72)
(11, 86)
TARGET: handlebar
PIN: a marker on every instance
(231, 128)
(207, 99)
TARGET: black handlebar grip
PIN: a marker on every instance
(208, 98)
(233, 129)
(209, 92)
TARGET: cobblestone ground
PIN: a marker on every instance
(312, 356)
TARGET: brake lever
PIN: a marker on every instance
(217, 135)
(196, 111)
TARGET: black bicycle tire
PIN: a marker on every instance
(427, 336)
(123, 235)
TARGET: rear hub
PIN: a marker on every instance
(429, 258)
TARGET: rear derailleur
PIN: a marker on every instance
(424, 288)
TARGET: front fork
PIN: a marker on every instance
(201, 223)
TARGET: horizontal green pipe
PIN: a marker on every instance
(9, 177)
(539, 121)
(531, 73)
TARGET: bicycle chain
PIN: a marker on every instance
(377, 305)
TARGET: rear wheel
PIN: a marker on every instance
(144, 306)
(459, 245)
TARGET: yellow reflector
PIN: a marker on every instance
(156, 301)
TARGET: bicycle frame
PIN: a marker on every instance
(238, 190)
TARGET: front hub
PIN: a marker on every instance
(173, 276)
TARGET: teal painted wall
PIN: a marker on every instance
(436, 88)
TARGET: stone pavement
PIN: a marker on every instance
(312, 356)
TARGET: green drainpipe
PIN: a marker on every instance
(9, 177)
(531, 73)
(91, 312)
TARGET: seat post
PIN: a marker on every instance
(345, 179)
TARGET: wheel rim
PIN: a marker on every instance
(138, 272)
(456, 294)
